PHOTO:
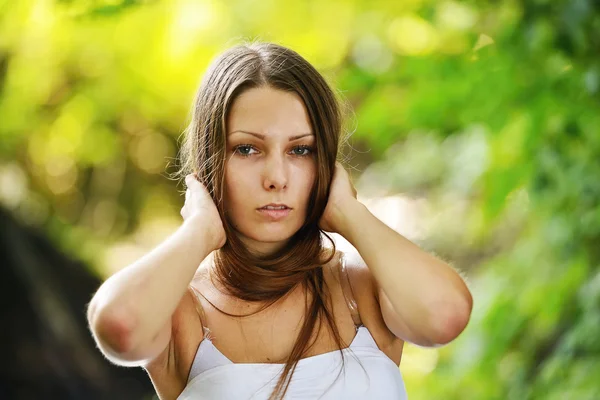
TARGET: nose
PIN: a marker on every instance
(275, 173)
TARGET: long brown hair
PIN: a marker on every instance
(267, 278)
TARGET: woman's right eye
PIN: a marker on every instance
(244, 150)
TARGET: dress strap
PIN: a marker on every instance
(200, 310)
(348, 292)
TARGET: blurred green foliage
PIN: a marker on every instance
(488, 110)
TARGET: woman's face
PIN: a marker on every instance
(270, 167)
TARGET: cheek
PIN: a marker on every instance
(306, 178)
(234, 186)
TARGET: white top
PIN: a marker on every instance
(367, 374)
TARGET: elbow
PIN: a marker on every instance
(113, 331)
(450, 320)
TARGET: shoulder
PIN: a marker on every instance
(358, 272)
(367, 295)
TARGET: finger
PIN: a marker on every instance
(337, 167)
(191, 182)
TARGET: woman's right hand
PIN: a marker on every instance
(199, 208)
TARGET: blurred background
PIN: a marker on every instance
(476, 133)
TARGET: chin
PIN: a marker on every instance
(270, 234)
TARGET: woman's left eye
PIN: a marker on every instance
(301, 150)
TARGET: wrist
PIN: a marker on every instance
(195, 230)
(347, 213)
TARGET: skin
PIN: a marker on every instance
(422, 299)
(270, 159)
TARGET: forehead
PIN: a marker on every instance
(269, 112)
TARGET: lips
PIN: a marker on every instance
(274, 212)
(275, 206)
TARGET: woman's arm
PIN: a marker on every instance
(423, 300)
(130, 315)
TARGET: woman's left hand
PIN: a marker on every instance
(342, 196)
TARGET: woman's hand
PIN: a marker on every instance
(342, 196)
(199, 208)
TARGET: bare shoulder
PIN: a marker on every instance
(169, 371)
(367, 295)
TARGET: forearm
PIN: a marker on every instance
(429, 295)
(141, 298)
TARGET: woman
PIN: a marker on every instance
(244, 300)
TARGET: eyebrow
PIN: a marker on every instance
(262, 137)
